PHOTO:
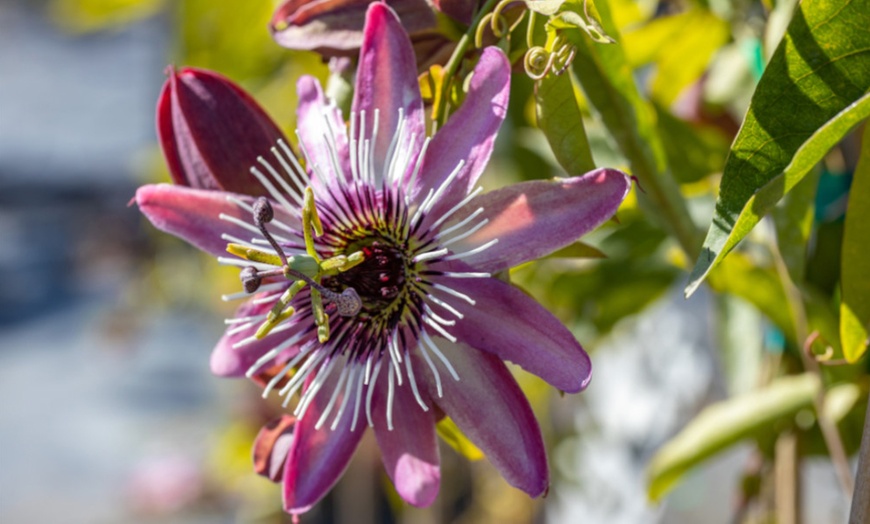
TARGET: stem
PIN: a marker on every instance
(860, 513)
(453, 64)
(828, 428)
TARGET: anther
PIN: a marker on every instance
(263, 212)
(250, 279)
(347, 302)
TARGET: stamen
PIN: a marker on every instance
(438, 318)
(419, 212)
(311, 165)
(292, 191)
(297, 173)
(437, 327)
(301, 375)
(416, 171)
(445, 305)
(396, 357)
(315, 386)
(453, 292)
(439, 354)
(460, 225)
(429, 255)
(332, 148)
(390, 395)
(277, 223)
(274, 352)
(266, 300)
(332, 399)
(457, 207)
(352, 153)
(479, 249)
(244, 294)
(273, 191)
(467, 234)
(414, 385)
(390, 159)
(244, 320)
(373, 144)
(370, 392)
(236, 240)
(225, 261)
(282, 374)
(433, 368)
(345, 398)
(246, 225)
(468, 274)
(357, 400)
(443, 187)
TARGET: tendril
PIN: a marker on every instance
(823, 358)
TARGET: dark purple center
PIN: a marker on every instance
(378, 279)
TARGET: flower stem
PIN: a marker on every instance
(861, 500)
(456, 58)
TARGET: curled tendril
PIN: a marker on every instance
(539, 61)
(499, 24)
(823, 358)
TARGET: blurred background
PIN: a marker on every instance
(108, 412)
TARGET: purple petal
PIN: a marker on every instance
(272, 446)
(509, 324)
(468, 135)
(193, 215)
(317, 119)
(318, 457)
(387, 81)
(212, 131)
(491, 410)
(533, 219)
(410, 450)
(335, 27)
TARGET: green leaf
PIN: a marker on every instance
(609, 85)
(544, 7)
(680, 46)
(559, 117)
(725, 423)
(578, 250)
(693, 151)
(452, 435)
(793, 220)
(94, 15)
(814, 90)
(855, 272)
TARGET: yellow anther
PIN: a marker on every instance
(254, 255)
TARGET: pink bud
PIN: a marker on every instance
(212, 131)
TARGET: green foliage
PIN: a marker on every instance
(813, 92)
(855, 305)
(561, 120)
(725, 423)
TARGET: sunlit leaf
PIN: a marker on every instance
(814, 90)
(855, 273)
(609, 85)
(680, 46)
(452, 435)
(559, 117)
(725, 423)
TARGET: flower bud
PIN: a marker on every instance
(335, 27)
(211, 132)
